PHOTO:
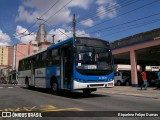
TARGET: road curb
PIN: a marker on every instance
(132, 92)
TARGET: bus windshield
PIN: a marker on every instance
(93, 59)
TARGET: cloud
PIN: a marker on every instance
(82, 33)
(87, 22)
(22, 35)
(4, 38)
(4, 44)
(80, 3)
(59, 36)
(102, 10)
(31, 9)
(100, 2)
(24, 15)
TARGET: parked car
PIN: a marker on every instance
(120, 77)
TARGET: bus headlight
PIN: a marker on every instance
(80, 80)
(110, 79)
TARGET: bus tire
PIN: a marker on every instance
(88, 91)
(54, 87)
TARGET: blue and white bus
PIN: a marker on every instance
(80, 63)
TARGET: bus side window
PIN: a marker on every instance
(55, 57)
(29, 64)
(37, 61)
(44, 59)
(49, 57)
(20, 66)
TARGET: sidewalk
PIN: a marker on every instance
(151, 92)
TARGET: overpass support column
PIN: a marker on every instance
(133, 61)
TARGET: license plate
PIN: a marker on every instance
(110, 84)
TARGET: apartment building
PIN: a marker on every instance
(3, 56)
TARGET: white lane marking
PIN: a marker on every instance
(1, 87)
(10, 87)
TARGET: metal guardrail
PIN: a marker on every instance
(137, 38)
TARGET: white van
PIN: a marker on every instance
(120, 77)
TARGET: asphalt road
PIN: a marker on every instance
(17, 99)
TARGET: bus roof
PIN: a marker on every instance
(33, 54)
(60, 43)
(69, 40)
(55, 45)
(50, 47)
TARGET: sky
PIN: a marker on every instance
(105, 19)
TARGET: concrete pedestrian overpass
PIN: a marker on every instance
(140, 49)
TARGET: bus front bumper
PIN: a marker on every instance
(80, 85)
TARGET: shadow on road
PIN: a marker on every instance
(68, 94)
(156, 89)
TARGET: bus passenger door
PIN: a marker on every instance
(66, 67)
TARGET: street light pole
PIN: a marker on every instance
(74, 25)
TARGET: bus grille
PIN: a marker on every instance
(94, 85)
(95, 80)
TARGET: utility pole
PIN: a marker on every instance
(14, 58)
(53, 38)
(14, 62)
(74, 25)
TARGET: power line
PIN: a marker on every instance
(47, 34)
(136, 26)
(59, 10)
(50, 8)
(114, 26)
(54, 15)
(105, 6)
(118, 15)
(124, 13)
(41, 16)
(58, 30)
(111, 9)
(125, 4)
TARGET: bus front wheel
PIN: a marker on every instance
(88, 91)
